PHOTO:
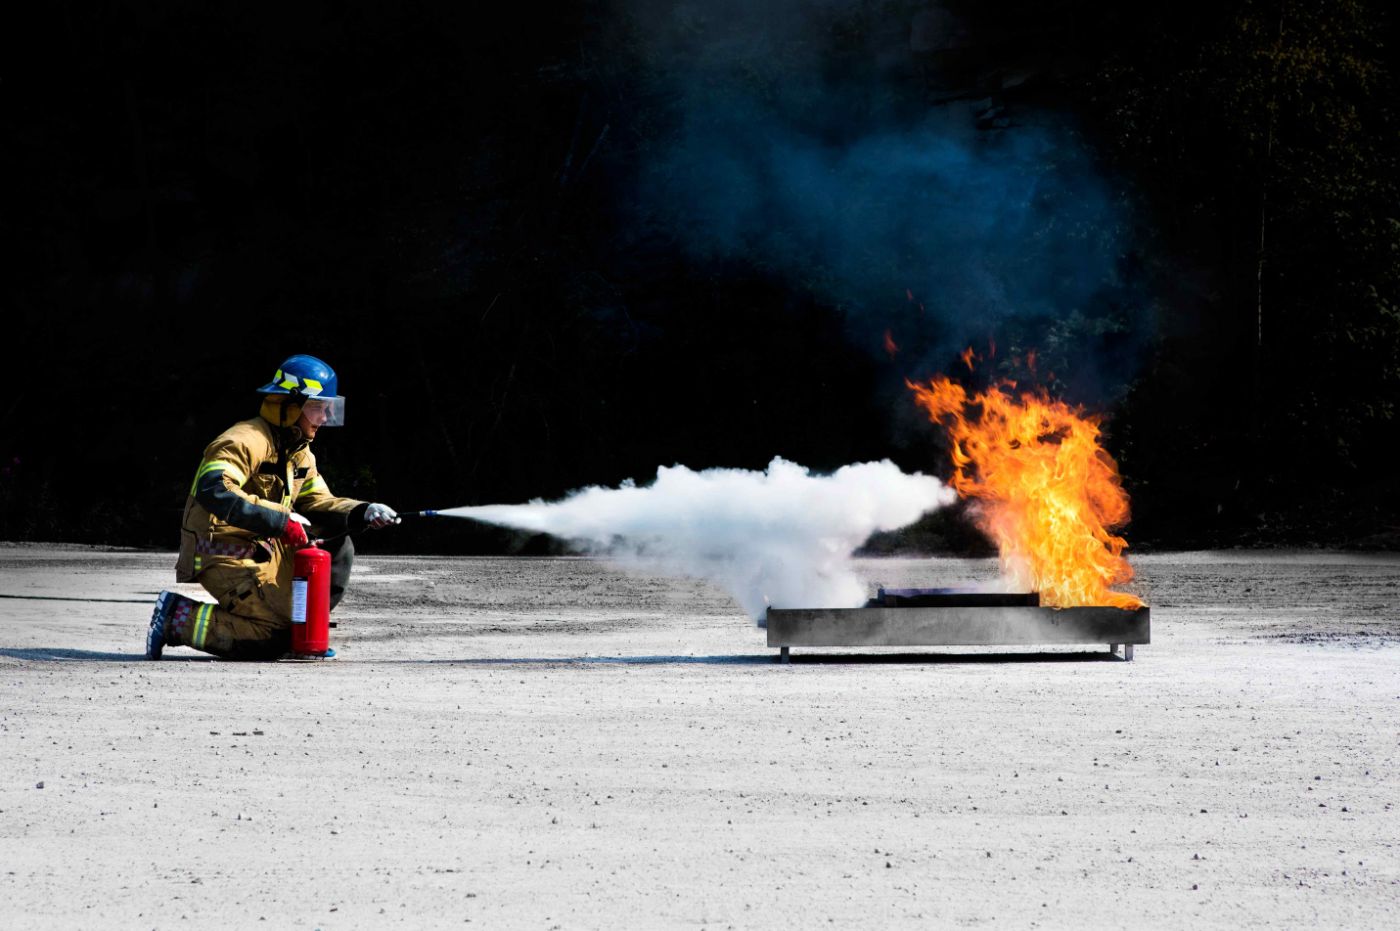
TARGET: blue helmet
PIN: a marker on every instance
(308, 381)
(304, 375)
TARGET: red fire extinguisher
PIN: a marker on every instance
(311, 601)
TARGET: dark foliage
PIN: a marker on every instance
(446, 206)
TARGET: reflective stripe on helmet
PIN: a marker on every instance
(304, 375)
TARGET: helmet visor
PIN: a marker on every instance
(324, 412)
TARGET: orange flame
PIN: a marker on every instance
(967, 356)
(891, 346)
(1049, 492)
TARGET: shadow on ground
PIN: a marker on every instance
(62, 654)
(809, 659)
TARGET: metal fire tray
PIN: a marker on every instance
(942, 618)
(950, 598)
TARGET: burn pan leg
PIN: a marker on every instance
(1128, 652)
(1113, 648)
(784, 656)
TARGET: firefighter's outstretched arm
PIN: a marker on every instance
(328, 510)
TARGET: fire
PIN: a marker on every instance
(1049, 492)
(891, 346)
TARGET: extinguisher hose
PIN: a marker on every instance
(319, 541)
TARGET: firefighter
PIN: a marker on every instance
(256, 498)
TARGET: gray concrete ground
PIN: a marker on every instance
(550, 743)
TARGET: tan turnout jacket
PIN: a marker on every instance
(242, 494)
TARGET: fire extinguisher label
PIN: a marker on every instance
(298, 601)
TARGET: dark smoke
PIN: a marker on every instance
(808, 143)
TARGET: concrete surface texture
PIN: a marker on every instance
(551, 743)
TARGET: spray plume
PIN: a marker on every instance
(780, 537)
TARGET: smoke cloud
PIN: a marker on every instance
(781, 537)
(817, 141)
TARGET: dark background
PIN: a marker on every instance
(551, 245)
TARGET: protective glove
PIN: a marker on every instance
(380, 515)
(295, 533)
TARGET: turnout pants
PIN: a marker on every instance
(253, 617)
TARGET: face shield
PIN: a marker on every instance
(324, 412)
